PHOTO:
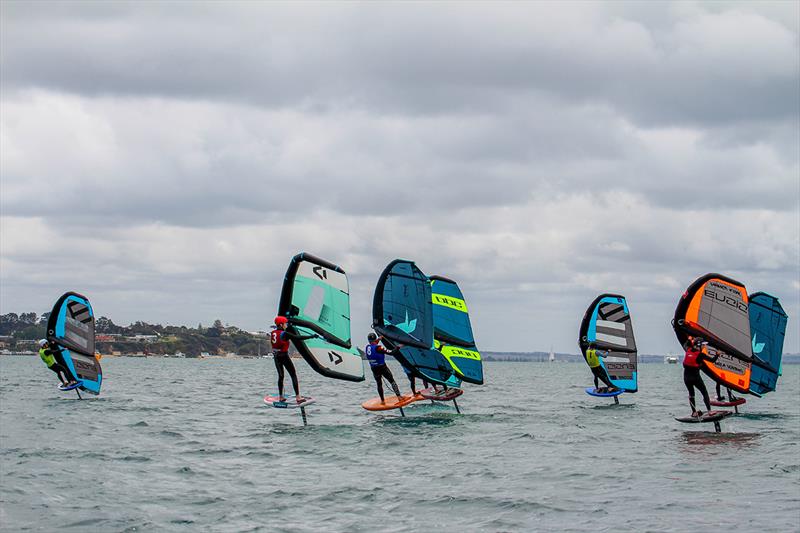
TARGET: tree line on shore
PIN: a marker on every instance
(18, 330)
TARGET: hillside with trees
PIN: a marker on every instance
(18, 331)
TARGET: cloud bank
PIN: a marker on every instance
(168, 161)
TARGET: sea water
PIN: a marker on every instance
(189, 445)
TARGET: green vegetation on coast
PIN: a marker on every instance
(18, 331)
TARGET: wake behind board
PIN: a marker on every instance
(732, 403)
(447, 395)
(591, 391)
(391, 402)
(74, 386)
(711, 416)
(290, 403)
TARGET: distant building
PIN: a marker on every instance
(145, 338)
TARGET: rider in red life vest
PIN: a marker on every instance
(695, 352)
(280, 352)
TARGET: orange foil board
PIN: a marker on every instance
(392, 402)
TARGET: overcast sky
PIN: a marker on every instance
(168, 159)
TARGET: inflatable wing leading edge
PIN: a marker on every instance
(71, 327)
(768, 328)
(607, 324)
(452, 331)
(316, 299)
(402, 314)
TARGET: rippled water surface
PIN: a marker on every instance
(188, 445)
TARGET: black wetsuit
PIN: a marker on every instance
(280, 354)
(692, 378)
(382, 371)
(592, 357)
(62, 370)
(60, 366)
(412, 380)
(283, 361)
(731, 397)
(600, 374)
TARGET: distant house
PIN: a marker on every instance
(230, 330)
(145, 338)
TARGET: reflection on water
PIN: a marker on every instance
(614, 406)
(416, 421)
(728, 440)
(764, 416)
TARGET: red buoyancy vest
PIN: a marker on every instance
(691, 358)
(279, 344)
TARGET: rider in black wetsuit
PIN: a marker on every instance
(412, 380)
(376, 355)
(691, 372)
(593, 360)
(51, 355)
(731, 397)
(280, 353)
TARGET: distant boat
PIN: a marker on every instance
(552, 355)
(670, 359)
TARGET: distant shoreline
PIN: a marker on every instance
(489, 357)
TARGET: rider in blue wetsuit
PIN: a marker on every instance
(376, 355)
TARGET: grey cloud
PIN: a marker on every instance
(537, 153)
(417, 59)
(209, 165)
